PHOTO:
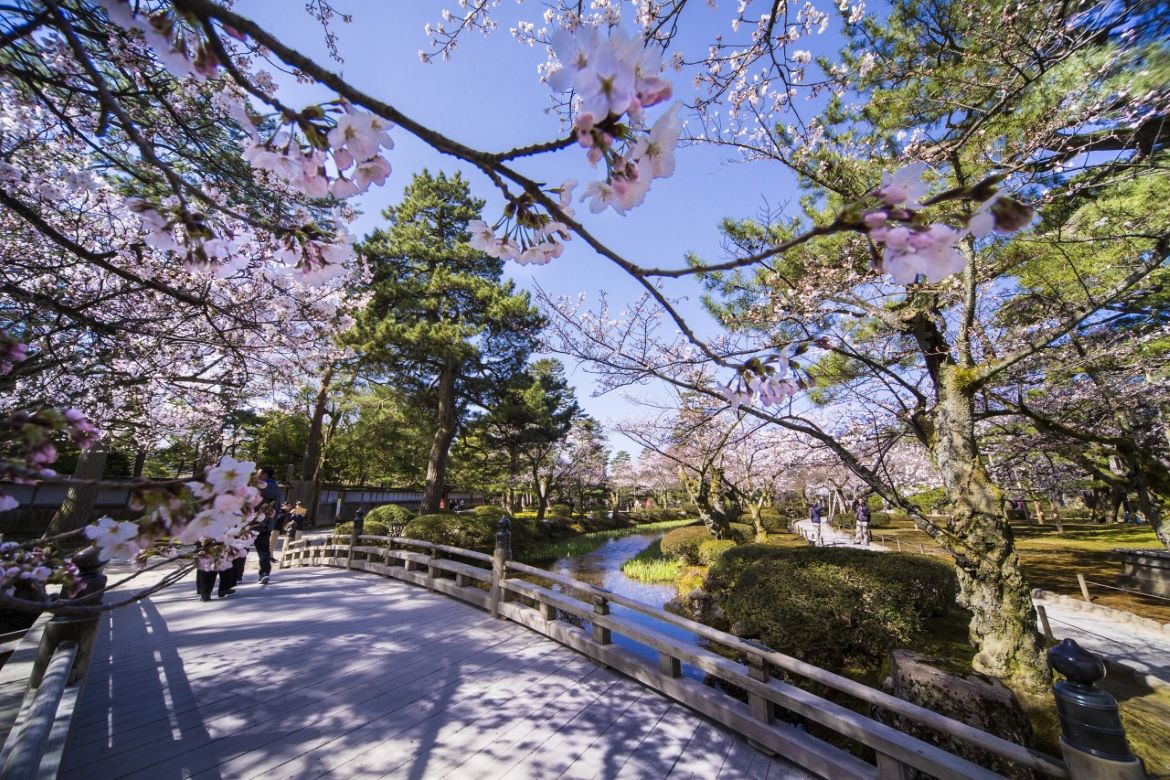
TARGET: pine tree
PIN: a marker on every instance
(440, 324)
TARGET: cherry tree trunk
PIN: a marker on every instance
(445, 419)
(991, 584)
(79, 500)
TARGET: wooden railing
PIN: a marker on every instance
(494, 582)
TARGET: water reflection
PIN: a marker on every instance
(603, 568)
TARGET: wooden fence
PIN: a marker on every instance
(524, 594)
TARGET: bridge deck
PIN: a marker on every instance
(325, 672)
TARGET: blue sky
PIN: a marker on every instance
(489, 96)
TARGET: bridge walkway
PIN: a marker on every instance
(326, 673)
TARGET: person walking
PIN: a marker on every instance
(267, 521)
(815, 513)
(205, 582)
(861, 533)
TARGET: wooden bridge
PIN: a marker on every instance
(477, 673)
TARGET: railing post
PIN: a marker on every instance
(601, 634)
(547, 611)
(1042, 614)
(1092, 738)
(760, 707)
(353, 542)
(499, 565)
(1084, 586)
(669, 665)
(432, 570)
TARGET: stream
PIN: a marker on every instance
(603, 568)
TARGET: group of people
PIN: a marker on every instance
(272, 515)
(861, 515)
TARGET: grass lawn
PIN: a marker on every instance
(1052, 560)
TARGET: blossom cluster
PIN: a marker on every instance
(12, 351)
(32, 569)
(614, 80)
(212, 514)
(770, 380)
(528, 236)
(916, 249)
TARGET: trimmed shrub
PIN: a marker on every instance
(726, 571)
(683, 543)
(741, 533)
(560, 510)
(392, 515)
(370, 528)
(771, 519)
(711, 550)
(474, 532)
(832, 607)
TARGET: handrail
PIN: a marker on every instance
(1010, 750)
(853, 725)
(29, 745)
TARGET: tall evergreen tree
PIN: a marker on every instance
(440, 324)
(531, 416)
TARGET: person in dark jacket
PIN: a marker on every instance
(815, 512)
(861, 513)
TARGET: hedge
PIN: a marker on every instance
(369, 528)
(771, 519)
(742, 533)
(683, 543)
(711, 550)
(391, 515)
(834, 607)
(470, 530)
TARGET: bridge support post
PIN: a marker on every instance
(432, 570)
(499, 566)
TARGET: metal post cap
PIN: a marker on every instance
(1077, 664)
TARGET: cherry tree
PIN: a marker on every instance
(896, 229)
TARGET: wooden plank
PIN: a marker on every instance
(662, 746)
(795, 745)
(312, 751)
(433, 739)
(303, 721)
(703, 756)
(239, 712)
(613, 745)
(536, 726)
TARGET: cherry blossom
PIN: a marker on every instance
(904, 185)
(114, 539)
